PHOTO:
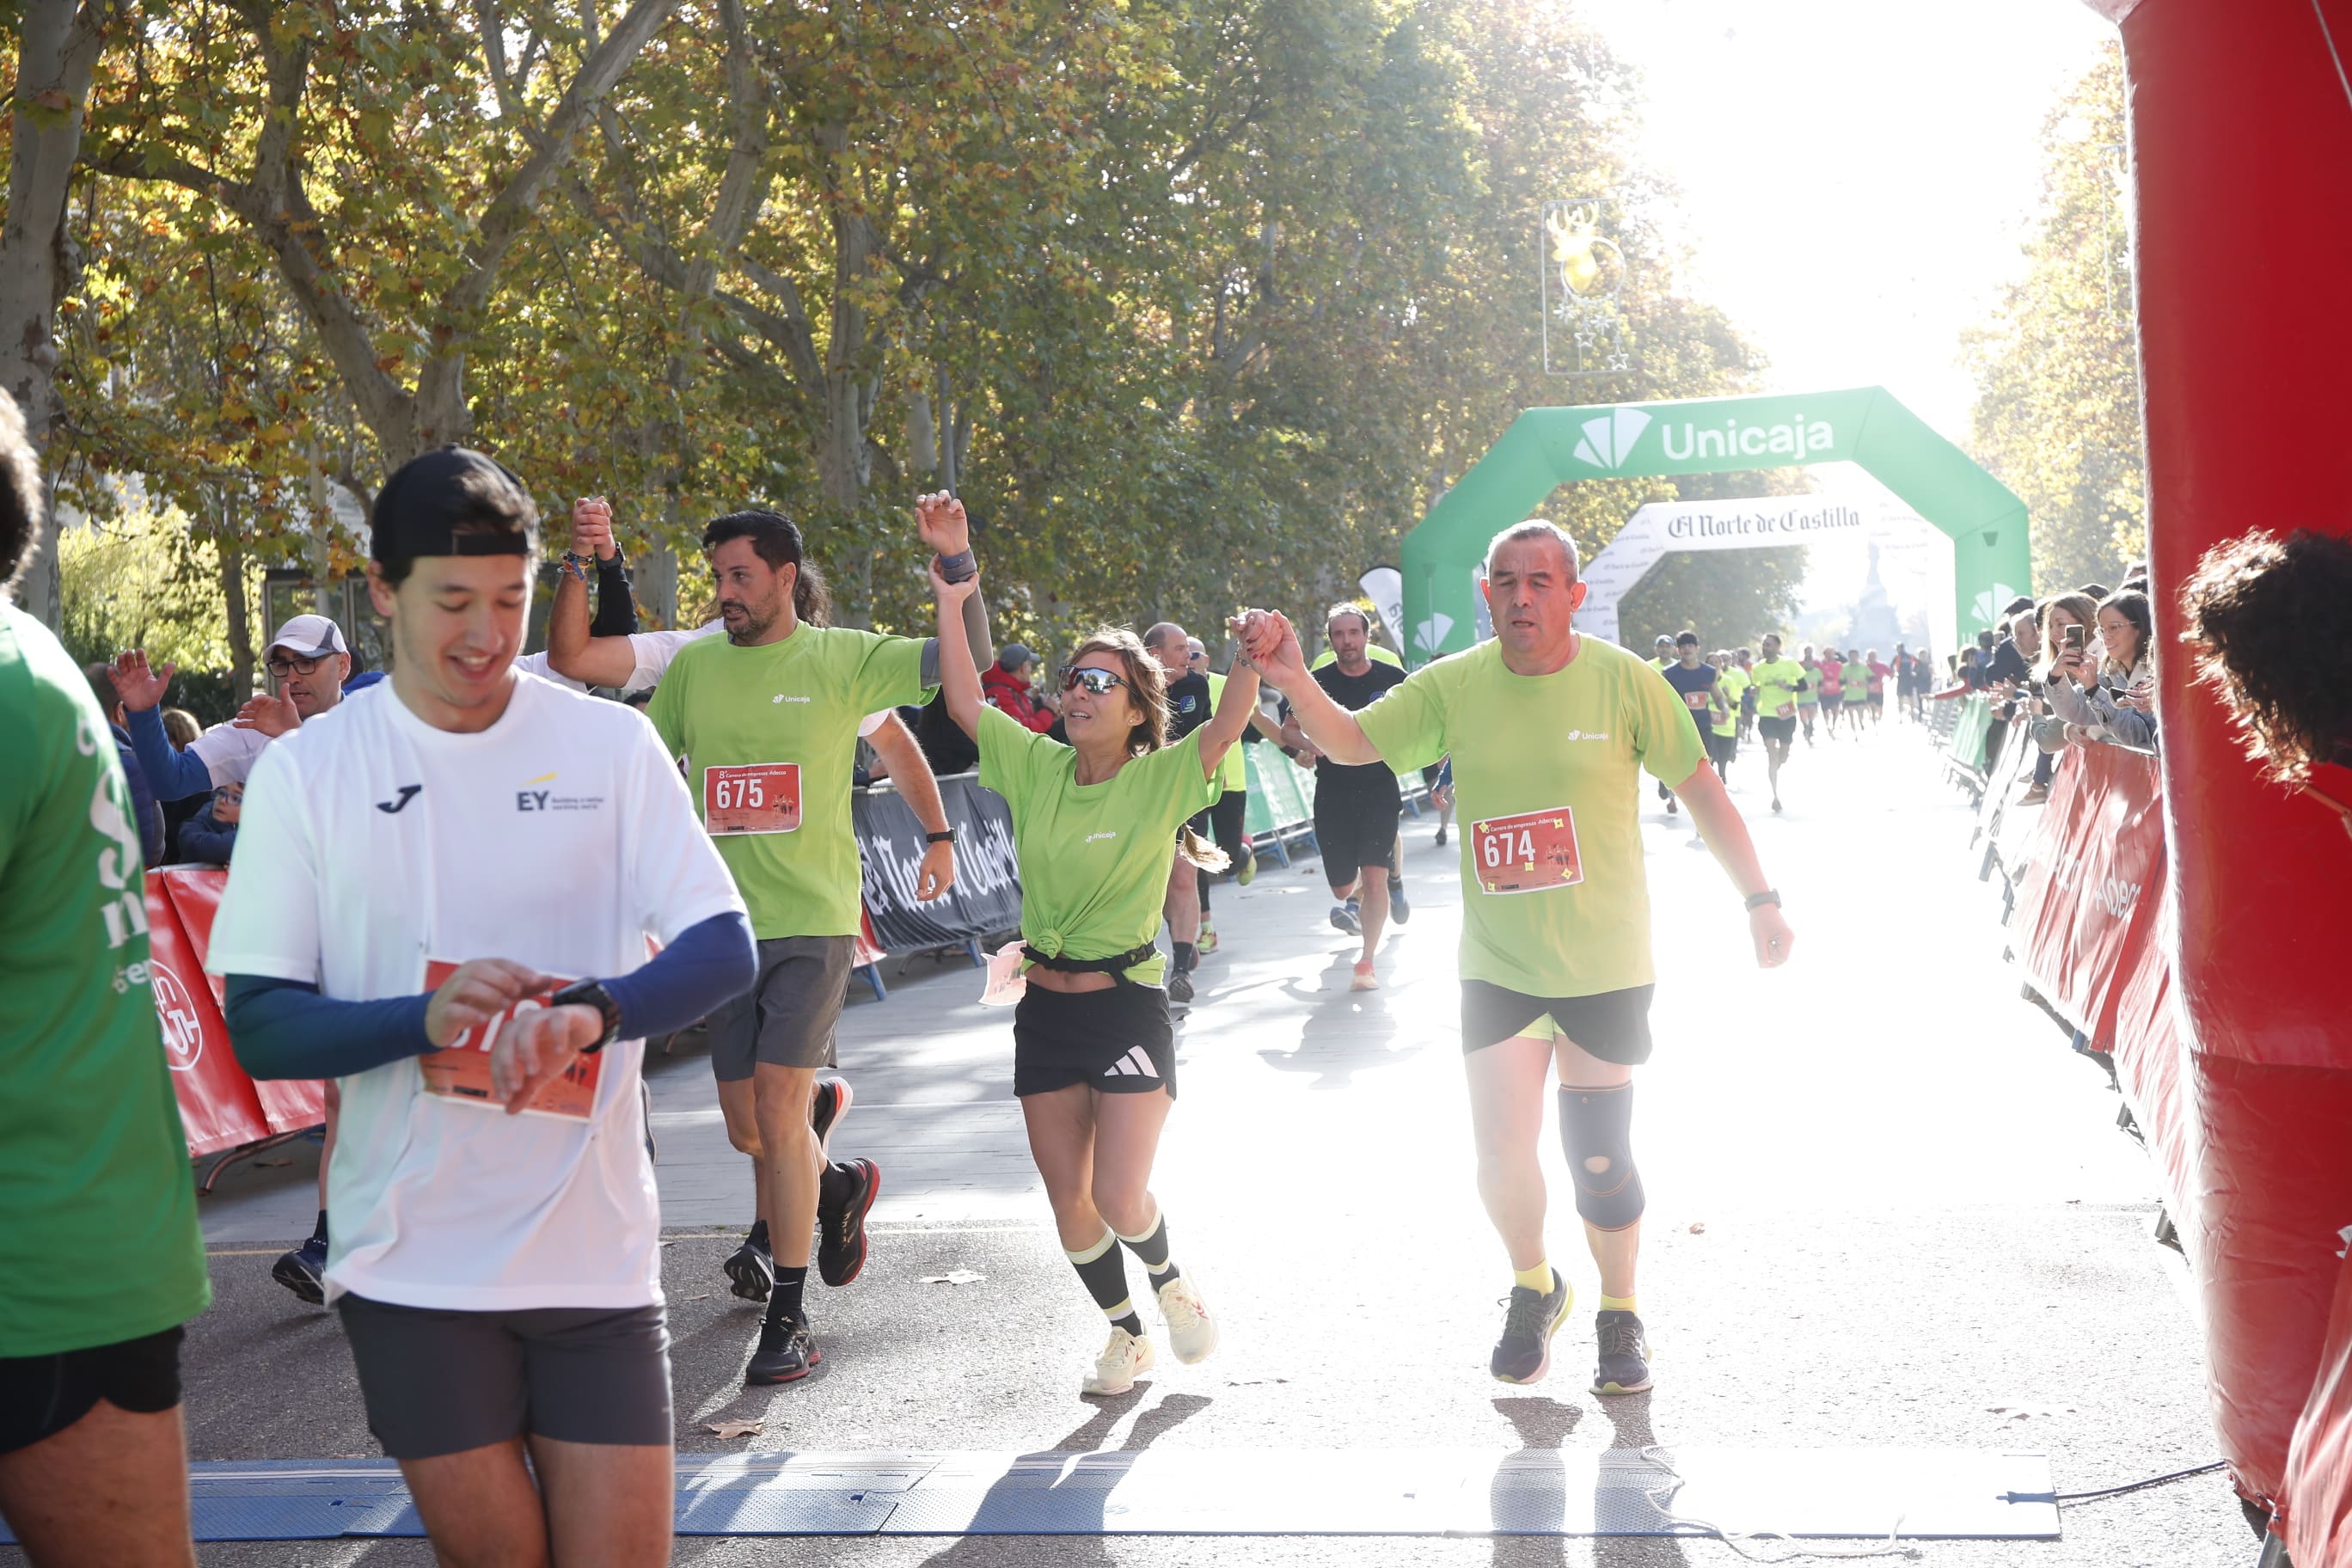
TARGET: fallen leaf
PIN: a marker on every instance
(704, 1296)
(1698, 1227)
(732, 1427)
(952, 1277)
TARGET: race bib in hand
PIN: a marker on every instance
(1533, 852)
(460, 1071)
(755, 797)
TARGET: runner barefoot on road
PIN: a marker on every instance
(1094, 1056)
(1548, 730)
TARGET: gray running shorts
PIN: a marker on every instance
(441, 1382)
(787, 1018)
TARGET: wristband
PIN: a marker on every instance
(1758, 900)
(946, 837)
(577, 565)
(957, 567)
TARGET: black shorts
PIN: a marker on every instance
(1356, 827)
(1611, 1025)
(787, 1018)
(1721, 750)
(1118, 1041)
(41, 1396)
(1778, 729)
(437, 1381)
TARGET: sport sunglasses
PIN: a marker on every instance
(1095, 681)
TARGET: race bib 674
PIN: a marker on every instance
(1533, 852)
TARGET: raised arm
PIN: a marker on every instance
(910, 772)
(571, 648)
(1234, 711)
(1269, 643)
(958, 677)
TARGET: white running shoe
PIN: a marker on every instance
(1191, 1332)
(1123, 1360)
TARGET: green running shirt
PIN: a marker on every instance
(1735, 682)
(1575, 920)
(779, 724)
(91, 1152)
(1775, 687)
(1094, 858)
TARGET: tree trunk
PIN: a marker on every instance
(325, 589)
(240, 622)
(58, 47)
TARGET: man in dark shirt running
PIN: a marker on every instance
(1356, 807)
(1700, 686)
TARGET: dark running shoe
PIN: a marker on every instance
(1399, 907)
(848, 1190)
(1524, 1352)
(1180, 983)
(827, 1107)
(1624, 1355)
(304, 1270)
(1441, 838)
(787, 1351)
(752, 1271)
(1344, 918)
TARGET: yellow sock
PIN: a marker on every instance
(1537, 1279)
(1617, 1303)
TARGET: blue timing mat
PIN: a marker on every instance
(1916, 1493)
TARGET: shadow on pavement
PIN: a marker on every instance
(1344, 1031)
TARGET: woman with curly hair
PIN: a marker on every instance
(1093, 1053)
(2272, 621)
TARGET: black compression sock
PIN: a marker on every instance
(1152, 1251)
(1188, 958)
(321, 1233)
(784, 1300)
(1102, 1268)
(759, 1236)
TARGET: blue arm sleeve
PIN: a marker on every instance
(173, 775)
(283, 1029)
(616, 604)
(712, 961)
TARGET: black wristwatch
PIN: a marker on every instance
(1769, 896)
(945, 836)
(592, 993)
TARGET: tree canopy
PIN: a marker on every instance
(1195, 302)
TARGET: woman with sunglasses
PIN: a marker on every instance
(1094, 1054)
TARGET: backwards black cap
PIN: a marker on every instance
(452, 502)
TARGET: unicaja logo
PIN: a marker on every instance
(1795, 438)
(1608, 441)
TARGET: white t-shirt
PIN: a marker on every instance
(560, 837)
(227, 753)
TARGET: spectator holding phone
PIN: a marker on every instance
(2117, 704)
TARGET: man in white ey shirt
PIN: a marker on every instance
(444, 897)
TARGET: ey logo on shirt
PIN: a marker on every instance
(529, 799)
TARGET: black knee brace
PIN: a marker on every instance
(1597, 1124)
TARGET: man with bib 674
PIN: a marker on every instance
(1547, 730)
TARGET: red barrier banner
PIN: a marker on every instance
(2084, 910)
(218, 1107)
(289, 1104)
(2152, 1060)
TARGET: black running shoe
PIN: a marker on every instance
(1399, 907)
(827, 1107)
(1179, 985)
(304, 1271)
(848, 1190)
(1441, 838)
(1624, 1355)
(1673, 809)
(787, 1354)
(751, 1272)
(1524, 1352)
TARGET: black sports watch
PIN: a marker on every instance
(1769, 896)
(592, 993)
(946, 836)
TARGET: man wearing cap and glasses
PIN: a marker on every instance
(445, 896)
(307, 661)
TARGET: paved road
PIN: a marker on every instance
(1886, 1208)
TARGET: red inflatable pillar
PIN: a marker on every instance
(2242, 148)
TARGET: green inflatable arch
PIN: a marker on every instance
(1548, 448)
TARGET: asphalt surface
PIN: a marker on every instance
(1887, 1207)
